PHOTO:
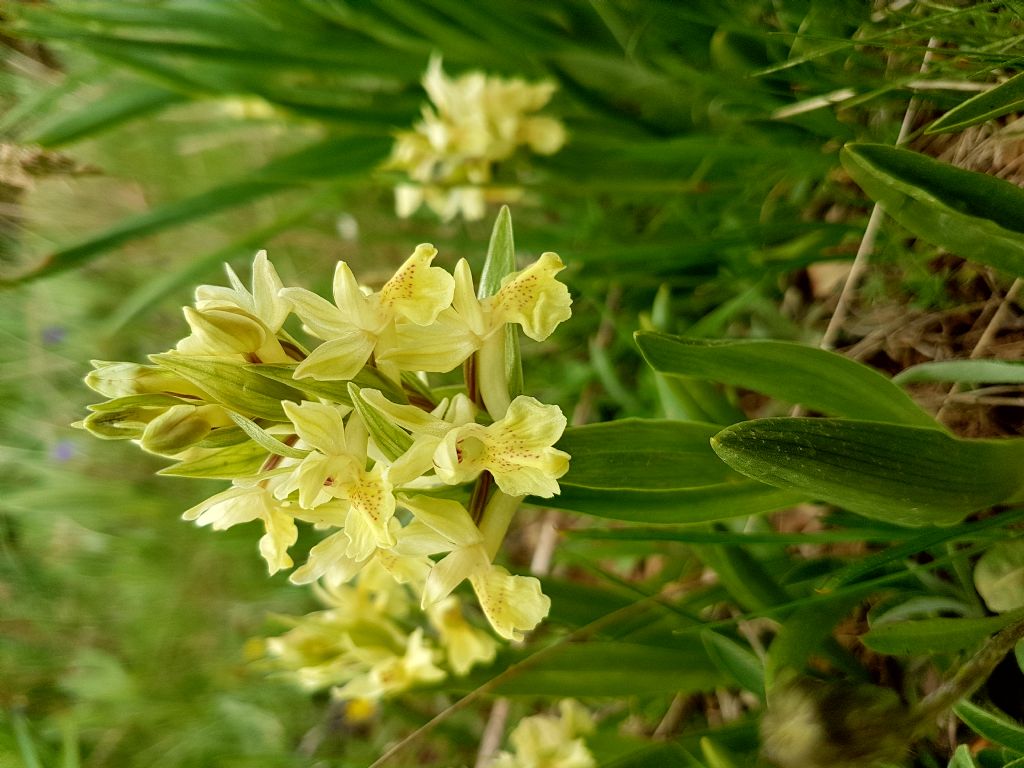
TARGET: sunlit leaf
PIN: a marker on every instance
(899, 474)
(971, 214)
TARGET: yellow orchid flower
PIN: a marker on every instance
(512, 604)
(244, 502)
(465, 645)
(533, 298)
(517, 450)
(336, 469)
(394, 673)
(353, 325)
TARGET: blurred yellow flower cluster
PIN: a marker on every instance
(348, 437)
(359, 645)
(550, 741)
(473, 123)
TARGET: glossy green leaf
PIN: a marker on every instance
(1000, 100)
(236, 386)
(971, 214)
(994, 726)
(971, 371)
(938, 635)
(501, 255)
(657, 471)
(899, 474)
(815, 378)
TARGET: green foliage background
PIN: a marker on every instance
(147, 142)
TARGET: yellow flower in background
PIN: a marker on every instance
(465, 646)
(547, 741)
(473, 122)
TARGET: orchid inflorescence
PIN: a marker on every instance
(406, 481)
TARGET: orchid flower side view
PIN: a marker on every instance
(413, 490)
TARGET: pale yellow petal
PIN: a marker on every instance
(417, 291)
(318, 425)
(281, 533)
(534, 298)
(512, 604)
(323, 319)
(453, 569)
(339, 359)
(266, 289)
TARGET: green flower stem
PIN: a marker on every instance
(492, 382)
(497, 517)
(969, 678)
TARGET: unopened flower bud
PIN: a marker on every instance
(224, 330)
(174, 430)
(115, 379)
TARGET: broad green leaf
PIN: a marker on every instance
(265, 440)
(735, 660)
(999, 576)
(614, 669)
(971, 371)
(236, 386)
(994, 726)
(239, 460)
(970, 214)
(962, 758)
(647, 453)
(700, 504)
(391, 439)
(1000, 100)
(899, 474)
(815, 378)
(938, 635)
(656, 471)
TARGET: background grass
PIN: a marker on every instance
(149, 142)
